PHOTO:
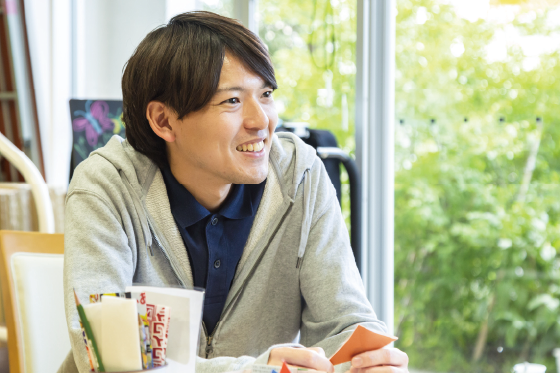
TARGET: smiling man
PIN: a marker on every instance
(204, 193)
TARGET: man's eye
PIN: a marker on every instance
(234, 100)
(267, 94)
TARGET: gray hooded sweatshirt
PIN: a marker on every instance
(296, 282)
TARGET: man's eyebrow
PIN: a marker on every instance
(230, 89)
(241, 89)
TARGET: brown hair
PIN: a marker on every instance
(179, 64)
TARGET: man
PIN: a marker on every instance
(203, 193)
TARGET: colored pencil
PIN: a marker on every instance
(89, 332)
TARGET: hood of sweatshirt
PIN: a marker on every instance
(290, 159)
(289, 155)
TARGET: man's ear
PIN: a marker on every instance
(158, 114)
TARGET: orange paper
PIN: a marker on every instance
(361, 340)
(285, 368)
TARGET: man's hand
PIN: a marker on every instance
(310, 358)
(385, 360)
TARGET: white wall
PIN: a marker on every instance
(173, 7)
(78, 50)
(49, 34)
(107, 32)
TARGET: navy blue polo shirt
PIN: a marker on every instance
(214, 242)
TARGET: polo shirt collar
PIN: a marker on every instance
(242, 201)
(184, 207)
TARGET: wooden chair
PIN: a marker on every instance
(31, 278)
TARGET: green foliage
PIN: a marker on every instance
(477, 227)
(475, 243)
(291, 30)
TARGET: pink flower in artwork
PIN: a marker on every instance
(94, 121)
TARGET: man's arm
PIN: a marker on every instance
(334, 297)
(230, 364)
(97, 258)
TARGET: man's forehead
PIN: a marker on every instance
(236, 76)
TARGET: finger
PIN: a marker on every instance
(319, 350)
(385, 369)
(377, 369)
(313, 371)
(384, 356)
(293, 357)
(307, 370)
(309, 359)
(277, 355)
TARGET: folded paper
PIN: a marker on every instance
(184, 325)
(160, 333)
(120, 335)
(285, 368)
(145, 334)
(361, 340)
(263, 368)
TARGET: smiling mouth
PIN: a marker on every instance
(256, 147)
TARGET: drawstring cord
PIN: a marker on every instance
(306, 218)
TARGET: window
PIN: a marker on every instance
(477, 199)
(312, 45)
(223, 7)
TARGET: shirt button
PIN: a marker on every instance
(217, 264)
(214, 221)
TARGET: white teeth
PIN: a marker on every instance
(256, 147)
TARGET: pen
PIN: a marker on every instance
(89, 333)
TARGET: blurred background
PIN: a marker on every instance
(470, 151)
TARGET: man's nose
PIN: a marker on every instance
(254, 116)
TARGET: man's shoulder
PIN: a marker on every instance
(291, 155)
(96, 176)
(101, 170)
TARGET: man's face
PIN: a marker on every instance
(229, 140)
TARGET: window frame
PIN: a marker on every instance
(375, 107)
(246, 11)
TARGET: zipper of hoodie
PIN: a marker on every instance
(158, 242)
(209, 348)
(209, 338)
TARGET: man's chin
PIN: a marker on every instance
(255, 180)
(256, 177)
